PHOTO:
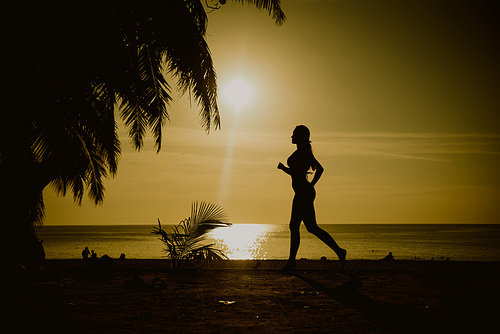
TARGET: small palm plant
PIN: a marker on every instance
(187, 246)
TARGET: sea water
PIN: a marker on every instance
(458, 242)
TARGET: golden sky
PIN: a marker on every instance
(401, 98)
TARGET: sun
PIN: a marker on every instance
(238, 93)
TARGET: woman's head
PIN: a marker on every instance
(301, 135)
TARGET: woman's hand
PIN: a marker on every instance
(284, 168)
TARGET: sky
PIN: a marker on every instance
(401, 98)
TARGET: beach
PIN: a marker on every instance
(249, 296)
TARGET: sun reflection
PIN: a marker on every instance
(242, 241)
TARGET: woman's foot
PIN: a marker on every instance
(342, 255)
(290, 265)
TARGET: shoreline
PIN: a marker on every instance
(269, 241)
(279, 263)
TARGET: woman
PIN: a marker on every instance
(299, 164)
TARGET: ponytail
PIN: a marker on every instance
(309, 150)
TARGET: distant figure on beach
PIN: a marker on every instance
(85, 253)
(299, 164)
(389, 257)
(93, 255)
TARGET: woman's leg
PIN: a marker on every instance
(312, 227)
(294, 226)
(294, 239)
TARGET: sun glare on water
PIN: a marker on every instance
(242, 241)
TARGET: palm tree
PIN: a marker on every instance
(70, 64)
(187, 244)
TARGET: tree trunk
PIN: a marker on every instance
(21, 208)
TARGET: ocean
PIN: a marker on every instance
(456, 242)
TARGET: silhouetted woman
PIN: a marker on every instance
(299, 164)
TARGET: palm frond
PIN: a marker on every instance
(156, 92)
(273, 7)
(96, 170)
(40, 147)
(144, 102)
(101, 104)
(189, 61)
(207, 215)
(188, 240)
(81, 154)
(198, 14)
(136, 121)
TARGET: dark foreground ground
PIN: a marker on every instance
(145, 296)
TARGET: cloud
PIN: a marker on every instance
(417, 146)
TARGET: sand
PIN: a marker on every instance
(145, 296)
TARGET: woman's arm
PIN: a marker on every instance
(285, 168)
(319, 171)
